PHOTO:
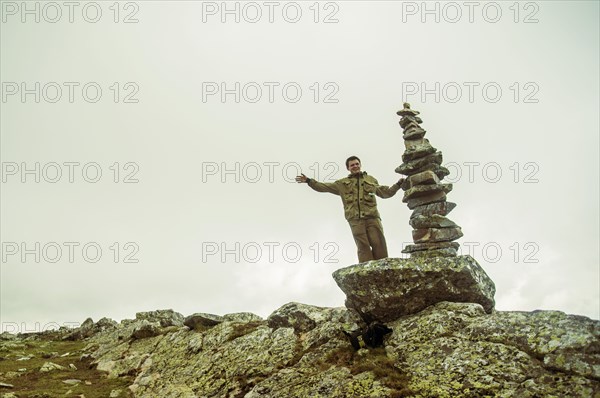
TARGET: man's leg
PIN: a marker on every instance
(359, 231)
(376, 238)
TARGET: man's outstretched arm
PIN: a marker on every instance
(383, 191)
(330, 187)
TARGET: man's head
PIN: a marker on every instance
(353, 164)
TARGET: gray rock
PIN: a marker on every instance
(424, 190)
(6, 385)
(462, 352)
(414, 166)
(439, 170)
(425, 177)
(430, 246)
(434, 197)
(432, 221)
(4, 336)
(384, 290)
(89, 328)
(441, 208)
(413, 132)
(406, 111)
(443, 252)
(418, 151)
(301, 317)
(410, 144)
(146, 329)
(201, 319)
(104, 324)
(410, 119)
(51, 366)
(449, 349)
(427, 235)
(164, 317)
(242, 317)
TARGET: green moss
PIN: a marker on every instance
(32, 382)
(374, 361)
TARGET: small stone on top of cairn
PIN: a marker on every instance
(424, 193)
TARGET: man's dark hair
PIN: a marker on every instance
(351, 158)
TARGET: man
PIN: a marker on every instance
(358, 192)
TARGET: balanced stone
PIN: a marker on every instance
(446, 252)
(411, 167)
(425, 177)
(436, 234)
(424, 190)
(430, 246)
(413, 132)
(418, 151)
(439, 170)
(433, 221)
(406, 111)
(408, 144)
(410, 119)
(441, 208)
(410, 125)
(424, 200)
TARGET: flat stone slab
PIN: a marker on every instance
(418, 151)
(434, 197)
(201, 319)
(410, 119)
(424, 190)
(430, 246)
(425, 177)
(432, 221)
(415, 166)
(412, 131)
(439, 170)
(427, 235)
(387, 289)
(441, 208)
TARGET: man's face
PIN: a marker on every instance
(354, 166)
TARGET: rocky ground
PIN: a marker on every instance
(447, 349)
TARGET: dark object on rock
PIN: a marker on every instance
(371, 336)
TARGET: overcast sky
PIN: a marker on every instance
(164, 137)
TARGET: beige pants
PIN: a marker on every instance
(370, 242)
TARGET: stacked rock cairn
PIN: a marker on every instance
(433, 233)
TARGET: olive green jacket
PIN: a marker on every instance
(357, 193)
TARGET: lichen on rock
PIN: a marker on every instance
(384, 290)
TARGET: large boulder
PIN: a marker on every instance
(201, 319)
(384, 290)
(164, 317)
(304, 318)
(88, 328)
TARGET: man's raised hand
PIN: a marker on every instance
(301, 179)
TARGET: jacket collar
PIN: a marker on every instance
(361, 174)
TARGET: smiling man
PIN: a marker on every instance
(358, 192)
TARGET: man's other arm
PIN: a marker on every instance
(383, 191)
(330, 187)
